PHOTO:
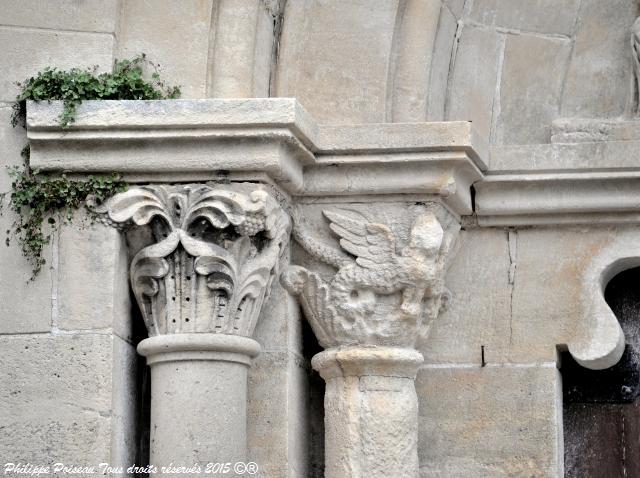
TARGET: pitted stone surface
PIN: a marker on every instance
(370, 411)
(55, 399)
(92, 269)
(381, 294)
(26, 303)
(517, 281)
(528, 15)
(89, 15)
(209, 262)
(40, 46)
(508, 416)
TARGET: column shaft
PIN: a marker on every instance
(198, 398)
(371, 410)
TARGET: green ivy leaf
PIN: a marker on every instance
(37, 195)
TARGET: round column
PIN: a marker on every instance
(371, 410)
(206, 258)
(198, 398)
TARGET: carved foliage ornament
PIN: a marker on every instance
(212, 257)
(379, 295)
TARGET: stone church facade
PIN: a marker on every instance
(374, 238)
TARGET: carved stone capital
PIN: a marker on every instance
(381, 294)
(208, 256)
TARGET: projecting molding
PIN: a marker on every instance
(271, 139)
(558, 198)
(581, 178)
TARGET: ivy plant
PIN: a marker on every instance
(126, 82)
(36, 196)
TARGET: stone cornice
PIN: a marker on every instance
(558, 198)
(271, 139)
(274, 140)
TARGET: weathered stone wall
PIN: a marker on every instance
(510, 66)
(68, 363)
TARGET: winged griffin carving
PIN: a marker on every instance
(380, 295)
(209, 258)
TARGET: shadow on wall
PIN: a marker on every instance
(310, 347)
(142, 405)
(602, 407)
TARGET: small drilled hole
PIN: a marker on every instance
(186, 319)
(187, 299)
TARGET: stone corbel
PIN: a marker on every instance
(599, 342)
(207, 256)
(368, 318)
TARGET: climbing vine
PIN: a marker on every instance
(36, 196)
(126, 82)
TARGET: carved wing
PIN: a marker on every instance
(374, 245)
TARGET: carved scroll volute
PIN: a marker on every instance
(213, 257)
(380, 295)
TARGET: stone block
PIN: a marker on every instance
(600, 155)
(12, 141)
(530, 97)
(474, 79)
(549, 268)
(516, 292)
(490, 422)
(413, 53)
(578, 130)
(240, 63)
(93, 278)
(173, 34)
(599, 78)
(340, 73)
(88, 15)
(276, 415)
(125, 418)
(300, 418)
(55, 398)
(25, 52)
(456, 7)
(440, 63)
(26, 304)
(478, 313)
(280, 322)
(540, 16)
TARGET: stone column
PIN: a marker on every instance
(371, 410)
(206, 257)
(368, 318)
(198, 397)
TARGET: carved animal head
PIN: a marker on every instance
(426, 236)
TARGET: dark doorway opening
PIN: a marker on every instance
(602, 407)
